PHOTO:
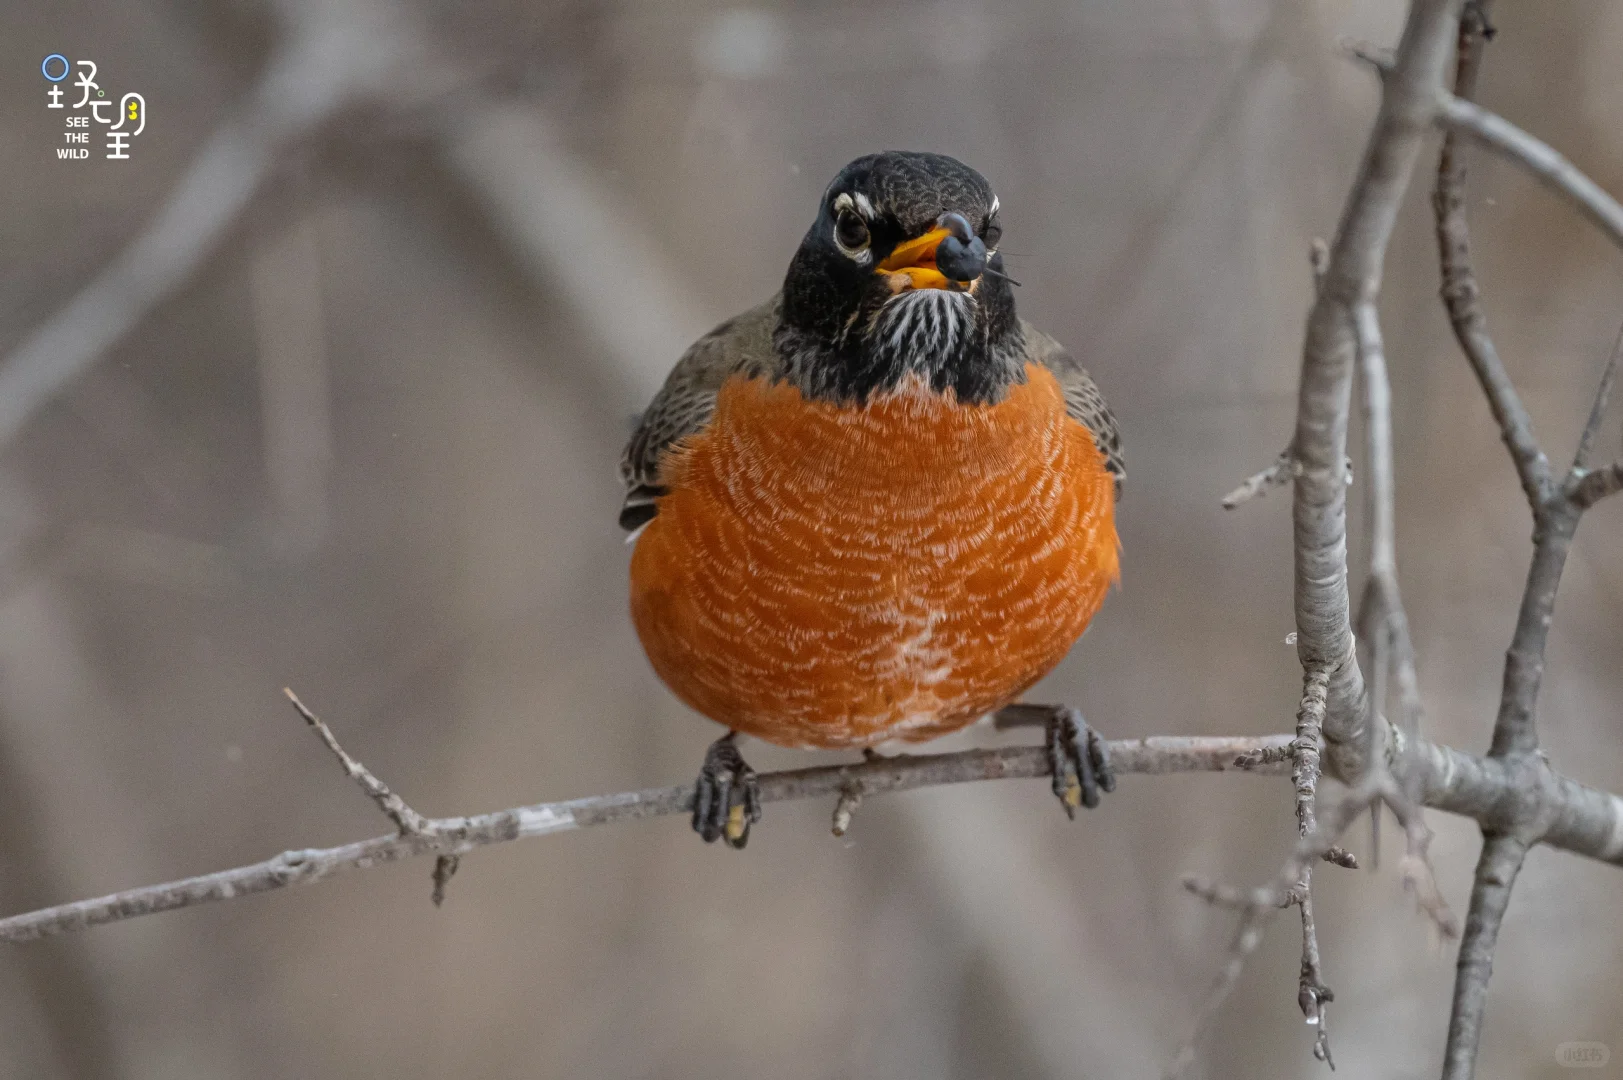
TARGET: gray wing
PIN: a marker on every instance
(1083, 401)
(740, 346)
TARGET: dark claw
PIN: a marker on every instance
(727, 796)
(1078, 758)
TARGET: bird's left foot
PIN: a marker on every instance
(727, 796)
(1078, 757)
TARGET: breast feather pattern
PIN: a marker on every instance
(830, 575)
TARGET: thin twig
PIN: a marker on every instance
(411, 823)
(1312, 994)
(1543, 161)
(1584, 486)
(1318, 260)
(1514, 730)
(1259, 483)
(1419, 878)
(1597, 409)
(1462, 296)
(1258, 906)
(1382, 602)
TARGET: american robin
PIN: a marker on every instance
(878, 506)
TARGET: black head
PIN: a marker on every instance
(900, 275)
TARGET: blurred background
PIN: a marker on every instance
(325, 387)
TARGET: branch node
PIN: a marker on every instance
(1340, 856)
(850, 799)
(445, 868)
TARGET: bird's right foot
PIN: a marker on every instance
(727, 796)
(1078, 758)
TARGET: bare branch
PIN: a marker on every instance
(1318, 259)
(1267, 755)
(1585, 487)
(1557, 510)
(1584, 821)
(1352, 276)
(1459, 114)
(457, 836)
(1378, 440)
(1515, 731)
(1340, 856)
(1496, 871)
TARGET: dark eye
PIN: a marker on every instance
(992, 232)
(850, 231)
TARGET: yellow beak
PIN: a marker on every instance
(912, 264)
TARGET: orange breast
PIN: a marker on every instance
(836, 576)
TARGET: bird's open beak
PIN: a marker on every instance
(912, 264)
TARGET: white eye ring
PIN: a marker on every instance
(844, 212)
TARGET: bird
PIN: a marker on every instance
(879, 505)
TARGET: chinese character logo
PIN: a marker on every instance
(120, 127)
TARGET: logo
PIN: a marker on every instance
(1583, 1055)
(119, 128)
